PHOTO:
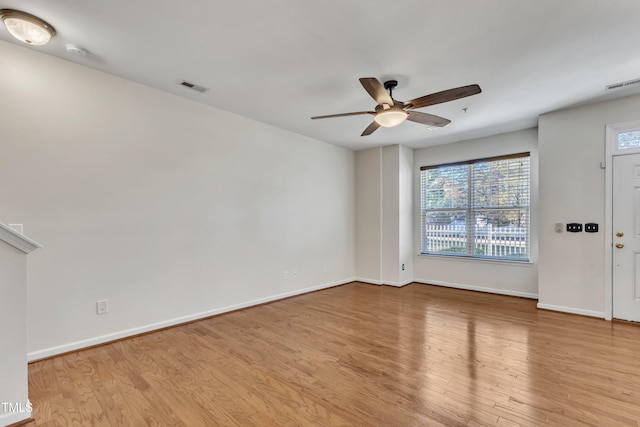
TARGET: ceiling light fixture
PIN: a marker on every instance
(390, 116)
(27, 28)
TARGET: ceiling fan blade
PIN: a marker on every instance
(444, 96)
(356, 113)
(376, 90)
(371, 128)
(427, 119)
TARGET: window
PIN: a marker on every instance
(478, 208)
(627, 140)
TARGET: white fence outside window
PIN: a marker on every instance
(489, 241)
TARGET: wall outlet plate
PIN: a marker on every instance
(102, 307)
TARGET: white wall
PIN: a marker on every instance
(173, 210)
(405, 215)
(167, 208)
(368, 214)
(500, 277)
(390, 214)
(572, 189)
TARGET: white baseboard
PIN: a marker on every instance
(369, 281)
(383, 282)
(77, 345)
(398, 284)
(572, 310)
(478, 288)
(9, 418)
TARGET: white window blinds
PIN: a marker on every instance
(478, 208)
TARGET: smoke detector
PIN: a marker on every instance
(76, 50)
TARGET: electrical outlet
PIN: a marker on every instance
(402, 267)
(102, 306)
(294, 273)
(285, 275)
(325, 268)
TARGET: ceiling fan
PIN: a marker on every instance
(390, 112)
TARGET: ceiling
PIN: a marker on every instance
(282, 61)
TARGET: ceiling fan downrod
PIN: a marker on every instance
(390, 85)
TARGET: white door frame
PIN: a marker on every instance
(611, 150)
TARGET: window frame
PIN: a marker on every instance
(470, 212)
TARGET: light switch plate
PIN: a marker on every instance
(591, 227)
(574, 227)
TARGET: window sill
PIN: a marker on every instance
(481, 260)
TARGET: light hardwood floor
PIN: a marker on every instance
(360, 355)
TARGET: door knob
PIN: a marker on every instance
(619, 245)
(619, 234)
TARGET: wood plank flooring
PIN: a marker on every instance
(359, 355)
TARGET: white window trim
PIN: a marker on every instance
(532, 253)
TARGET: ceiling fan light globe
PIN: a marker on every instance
(390, 118)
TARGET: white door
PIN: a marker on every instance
(626, 237)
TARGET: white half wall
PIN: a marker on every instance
(13, 342)
(163, 206)
(572, 189)
(384, 215)
(509, 278)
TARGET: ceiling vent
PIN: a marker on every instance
(622, 84)
(193, 86)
